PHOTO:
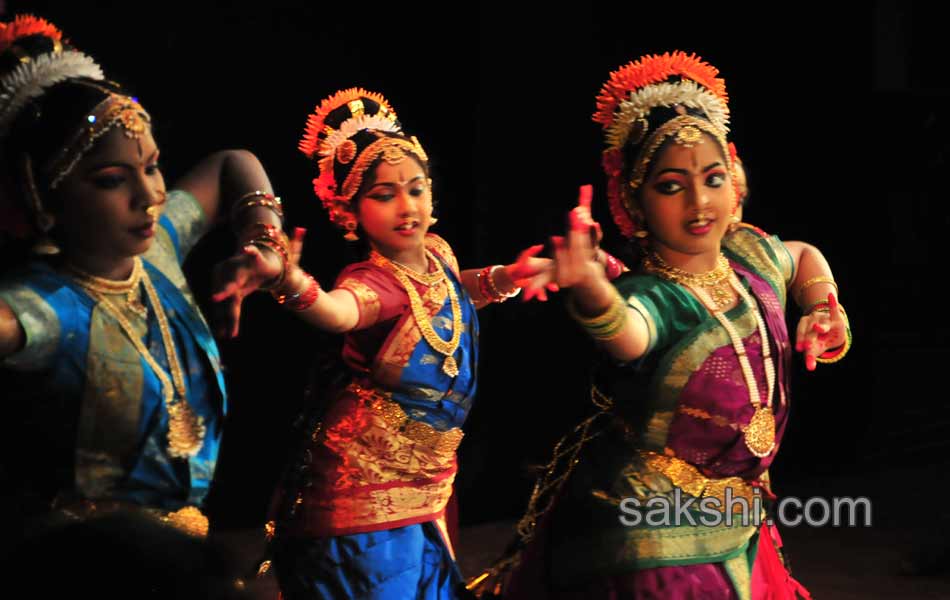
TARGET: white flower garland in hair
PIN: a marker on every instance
(29, 80)
(641, 102)
(352, 126)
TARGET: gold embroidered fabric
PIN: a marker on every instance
(750, 247)
(417, 431)
(441, 247)
(376, 468)
(367, 300)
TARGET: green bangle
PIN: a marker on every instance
(605, 326)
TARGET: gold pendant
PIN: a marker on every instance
(721, 296)
(450, 367)
(760, 432)
(186, 430)
(138, 308)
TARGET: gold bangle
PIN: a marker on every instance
(840, 353)
(607, 325)
(844, 348)
(497, 293)
(813, 281)
(257, 198)
(280, 249)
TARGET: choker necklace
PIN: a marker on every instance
(715, 281)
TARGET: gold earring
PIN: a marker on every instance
(350, 234)
(433, 221)
(45, 245)
(733, 223)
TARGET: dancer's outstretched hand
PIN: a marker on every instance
(820, 331)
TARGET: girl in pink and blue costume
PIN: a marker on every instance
(362, 513)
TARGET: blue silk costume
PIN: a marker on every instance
(105, 400)
(367, 518)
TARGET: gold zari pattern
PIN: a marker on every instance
(366, 299)
(699, 413)
(394, 416)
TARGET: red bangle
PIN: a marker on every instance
(821, 305)
(828, 354)
(482, 277)
(303, 299)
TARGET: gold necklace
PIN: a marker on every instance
(419, 313)
(186, 430)
(129, 287)
(716, 280)
(427, 279)
(759, 434)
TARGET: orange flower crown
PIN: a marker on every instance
(26, 25)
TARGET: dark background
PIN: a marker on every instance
(839, 112)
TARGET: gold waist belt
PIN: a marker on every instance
(689, 479)
(380, 403)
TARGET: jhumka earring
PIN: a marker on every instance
(350, 234)
(733, 223)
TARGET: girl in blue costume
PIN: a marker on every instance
(126, 395)
(364, 515)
